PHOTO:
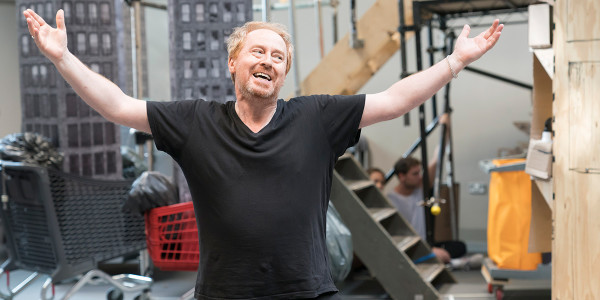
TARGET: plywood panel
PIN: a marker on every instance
(576, 259)
(586, 258)
(563, 240)
(588, 10)
(584, 115)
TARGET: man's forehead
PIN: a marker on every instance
(415, 168)
(264, 36)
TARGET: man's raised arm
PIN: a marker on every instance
(412, 91)
(97, 91)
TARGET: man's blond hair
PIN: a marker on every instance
(236, 40)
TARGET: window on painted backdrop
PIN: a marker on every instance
(185, 12)
(187, 69)
(105, 13)
(200, 17)
(215, 69)
(80, 13)
(94, 45)
(187, 40)
(201, 40)
(214, 40)
(43, 75)
(93, 13)
(213, 12)
(106, 44)
(35, 73)
(202, 72)
(241, 12)
(25, 45)
(227, 12)
(81, 43)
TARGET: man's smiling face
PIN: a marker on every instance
(260, 67)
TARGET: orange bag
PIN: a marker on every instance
(509, 217)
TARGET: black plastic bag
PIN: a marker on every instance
(133, 164)
(339, 245)
(30, 148)
(150, 190)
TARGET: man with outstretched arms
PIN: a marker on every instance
(259, 168)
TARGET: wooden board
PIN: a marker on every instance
(584, 115)
(577, 11)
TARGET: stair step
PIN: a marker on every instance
(403, 243)
(345, 156)
(430, 271)
(381, 213)
(356, 185)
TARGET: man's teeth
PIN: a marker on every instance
(262, 75)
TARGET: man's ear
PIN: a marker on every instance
(231, 65)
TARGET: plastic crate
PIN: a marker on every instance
(172, 237)
(64, 225)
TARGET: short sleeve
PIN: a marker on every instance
(170, 123)
(340, 117)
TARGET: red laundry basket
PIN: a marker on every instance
(172, 237)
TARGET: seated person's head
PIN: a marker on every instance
(408, 170)
(377, 176)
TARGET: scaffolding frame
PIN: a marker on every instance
(428, 13)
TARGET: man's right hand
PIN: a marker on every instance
(52, 42)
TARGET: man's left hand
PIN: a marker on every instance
(468, 50)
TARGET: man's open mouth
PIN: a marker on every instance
(262, 75)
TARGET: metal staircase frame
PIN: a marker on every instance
(382, 239)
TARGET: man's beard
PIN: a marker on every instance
(250, 91)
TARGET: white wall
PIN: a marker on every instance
(10, 100)
(157, 51)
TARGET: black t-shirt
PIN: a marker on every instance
(260, 198)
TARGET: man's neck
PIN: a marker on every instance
(256, 114)
(403, 190)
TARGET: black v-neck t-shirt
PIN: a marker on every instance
(260, 198)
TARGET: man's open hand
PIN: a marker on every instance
(52, 42)
(467, 50)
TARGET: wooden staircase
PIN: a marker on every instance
(383, 240)
(344, 70)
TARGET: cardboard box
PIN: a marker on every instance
(540, 228)
(539, 159)
(540, 26)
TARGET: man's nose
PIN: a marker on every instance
(266, 60)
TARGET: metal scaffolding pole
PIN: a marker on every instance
(266, 11)
(319, 16)
(424, 161)
(292, 15)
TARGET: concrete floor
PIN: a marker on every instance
(358, 285)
